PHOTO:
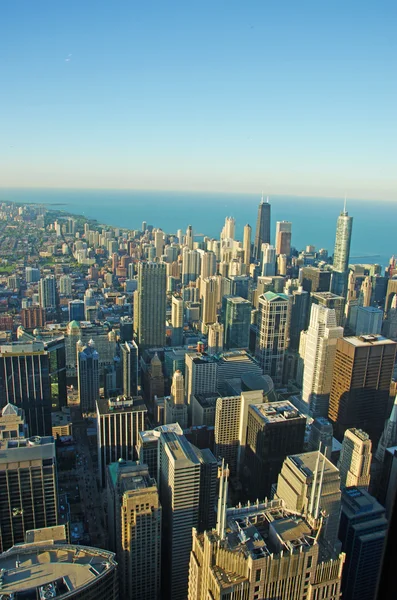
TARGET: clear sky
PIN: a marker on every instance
(287, 96)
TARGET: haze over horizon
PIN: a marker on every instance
(292, 99)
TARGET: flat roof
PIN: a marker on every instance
(273, 412)
(368, 340)
(306, 463)
(71, 567)
(112, 405)
(179, 447)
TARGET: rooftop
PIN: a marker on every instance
(120, 404)
(273, 297)
(57, 568)
(179, 448)
(306, 463)
(274, 412)
(368, 340)
(357, 501)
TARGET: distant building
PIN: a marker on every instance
(76, 310)
(129, 359)
(355, 459)
(262, 232)
(32, 317)
(340, 269)
(88, 377)
(369, 320)
(272, 341)
(315, 279)
(151, 305)
(236, 319)
(283, 237)
(330, 300)
(48, 292)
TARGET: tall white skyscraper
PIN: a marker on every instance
(208, 264)
(190, 265)
(283, 237)
(355, 459)
(229, 228)
(209, 295)
(273, 333)
(340, 271)
(189, 237)
(319, 358)
(268, 260)
(247, 245)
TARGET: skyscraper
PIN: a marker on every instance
(283, 237)
(340, 270)
(134, 516)
(25, 382)
(299, 316)
(88, 377)
(362, 532)
(28, 487)
(319, 358)
(190, 265)
(76, 310)
(151, 307)
(236, 319)
(247, 245)
(262, 233)
(48, 292)
(209, 294)
(268, 254)
(208, 264)
(389, 435)
(119, 420)
(361, 385)
(315, 279)
(189, 237)
(330, 300)
(177, 320)
(272, 340)
(215, 338)
(201, 373)
(175, 406)
(129, 357)
(355, 459)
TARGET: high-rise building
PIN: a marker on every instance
(189, 237)
(355, 459)
(319, 358)
(151, 306)
(129, 358)
(262, 233)
(236, 319)
(190, 265)
(12, 423)
(272, 340)
(247, 245)
(283, 237)
(119, 420)
(134, 519)
(215, 338)
(28, 487)
(360, 385)
(315, 279)
(268, 254)
(88, 377)
(388, 438)
(56, 570)
(25, 382)
(175, 406)
(362, 531)
(209, 295)
(229, 228)
(321, 436)
(310, 484)
(180, 491)
(369, 320)
(299, 316)
(208, 264)
(330, 300)
(340, 270)
(47, 292)
(126, 329)
(32, 317)
(235, 365)
(201, 373)
(159, 243)
(263, 550)
(32, 274)
(274, 430)
(65, 285)
(76, 310)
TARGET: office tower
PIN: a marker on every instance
(234, 365)
(265, 551)
(354, 463)
(201, 373)
(134, 519)
(247, 245)
(25, 382)
(272, 340)
(47, 292)
(179, 479)
(129, 358)
(88, 377)
(360, 385)
(329, 300)
(32, 274)
(76, 310)
(208, 264)
(362, 531)
(309, 483)
(262, 233)
(153, 383)
(65, 285)
(175, 407)
(391, 292)
(126, 329)
(190, 265)
(32, 317)
(369, 320)
(159, 243)
(315, 279)
(177, 320)
(236, 319)
(13, 423)
(57, 570)
(319, 359)
(215, 338)
(274, 430)
(268, 260)
(231, 414)
(388, 438)
(189, 237)
(56, 351)
(208, 295)
(299, 316)
(119, 421)
(340, 269)
(283, 237)
(28, 487)
(321, 435)
(151, 306)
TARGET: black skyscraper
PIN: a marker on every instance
(262, 234)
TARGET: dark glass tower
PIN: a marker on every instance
(262, 234)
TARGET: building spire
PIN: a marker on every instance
(344, 206)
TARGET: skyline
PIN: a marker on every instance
(293, 99)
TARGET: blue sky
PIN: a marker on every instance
(292, 97)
